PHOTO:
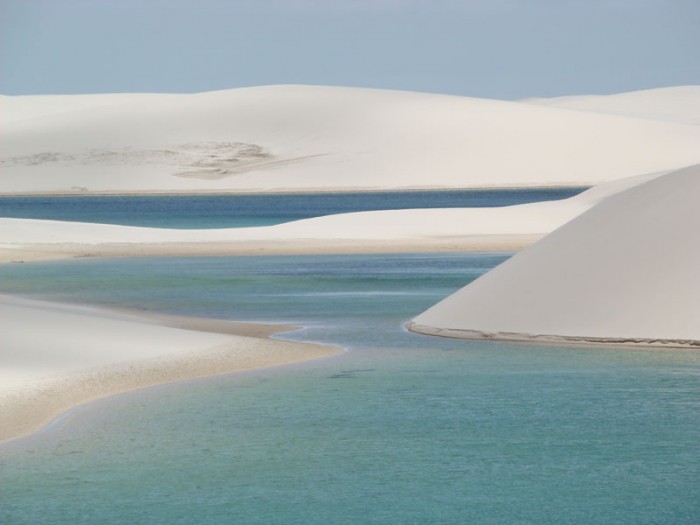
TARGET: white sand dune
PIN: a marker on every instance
(310, 138)
(503, 228)
(17, 108)
(672, 104)
(54, 356)
(603, 276)
(626, 271)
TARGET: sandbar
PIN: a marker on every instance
(56, 356)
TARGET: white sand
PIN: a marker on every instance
(55, 356)
(459, 229)
(672, 104)
(303, 138)
(627, 271)
(294, 138)
(17, 108)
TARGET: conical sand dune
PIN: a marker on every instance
(626, 271)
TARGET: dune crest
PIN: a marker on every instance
(679, 104)
(314, 138)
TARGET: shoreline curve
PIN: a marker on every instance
(29, 406)
(552, 339)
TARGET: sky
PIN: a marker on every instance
(505, 49)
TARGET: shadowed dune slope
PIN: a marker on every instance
(626, 271)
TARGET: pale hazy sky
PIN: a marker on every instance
(486, 48)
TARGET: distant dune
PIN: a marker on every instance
(627, 271)
(672, 104)
(310, 138)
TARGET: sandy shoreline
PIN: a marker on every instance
(476, 243)
(547, 339)
(291, 191)
(27, 408)
(507, 228)
(625, 272)
(33, 394)
(306, 139)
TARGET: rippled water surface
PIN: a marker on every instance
(400, 429)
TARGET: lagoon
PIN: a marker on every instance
(401, 428)
(236, 211)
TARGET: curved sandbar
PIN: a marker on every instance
(507, 228)
(55, 356)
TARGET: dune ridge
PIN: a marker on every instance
(315, 138)
(670, 104)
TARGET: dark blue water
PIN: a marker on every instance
(233, 211)
(401, 429)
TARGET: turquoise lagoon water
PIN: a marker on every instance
(233, 211)
(400, 429)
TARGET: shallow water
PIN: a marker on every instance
(400, 429)
(235, 211)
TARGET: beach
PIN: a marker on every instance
(56, 356)
(370, 262)
(293, 137)
(506, 228)
(470, 416)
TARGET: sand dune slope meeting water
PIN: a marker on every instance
(626, 271)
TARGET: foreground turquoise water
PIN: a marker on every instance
(400, 429)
